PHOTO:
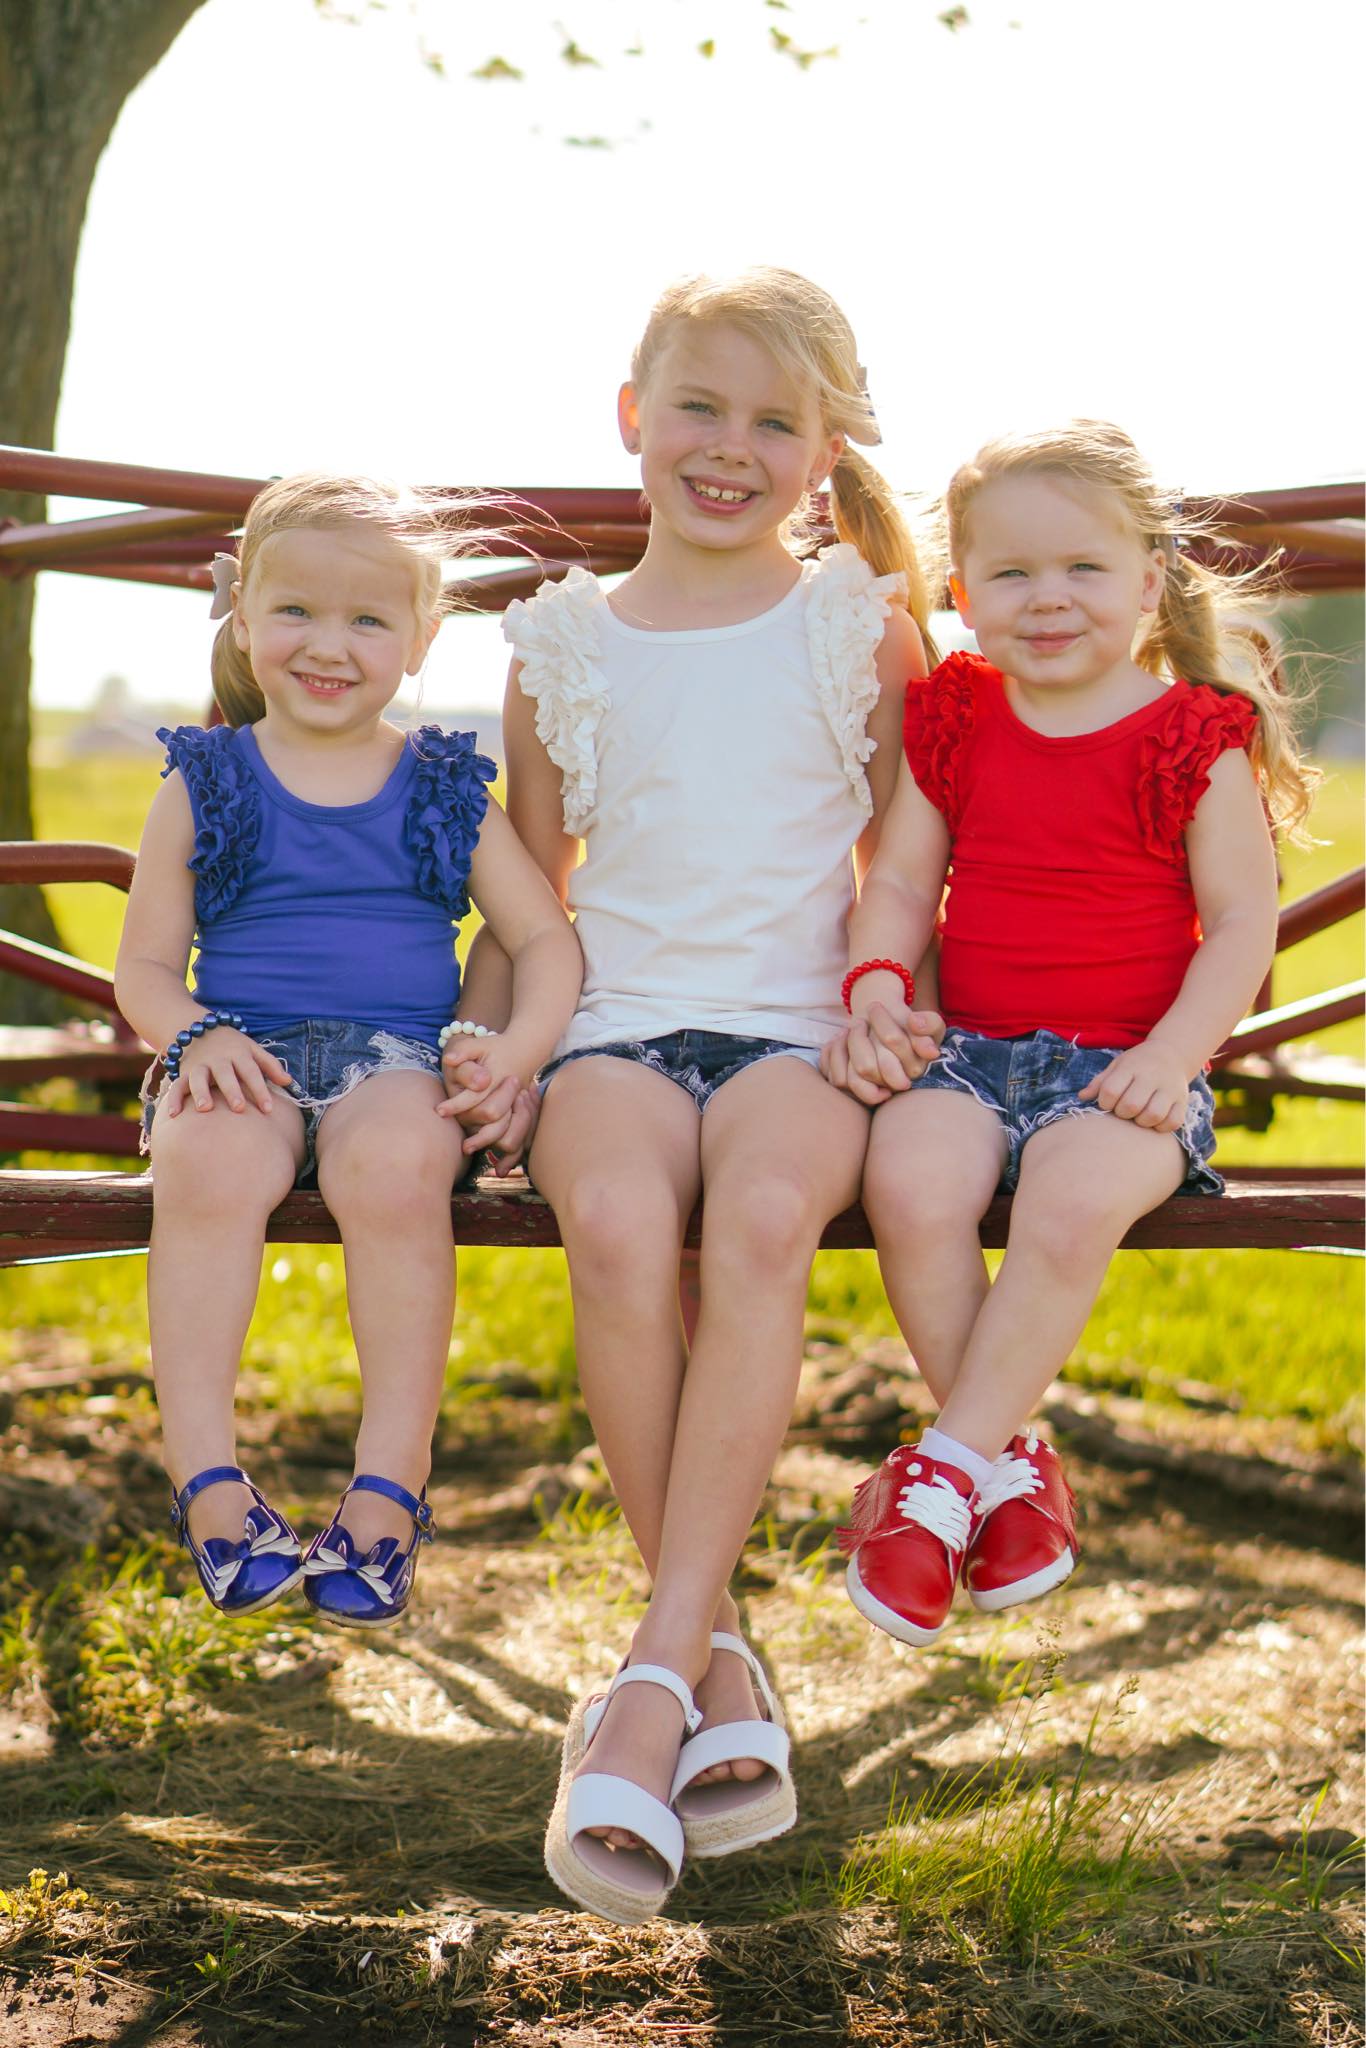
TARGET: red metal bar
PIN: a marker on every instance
(76, 860)
(1324, 907)
(171, 577)
(34, 469)
(24, 1127)
(195, 552)
(50, 969)
(1269, 508)
(30, 545)
(1270, 1028)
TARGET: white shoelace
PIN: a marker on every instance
(1011, 1479)
(937, 1507)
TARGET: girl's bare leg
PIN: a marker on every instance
(1083, 1181)
(217, 1176)
(934, 1160)
(386, 1167)
(617, 1156)
(782, 1152)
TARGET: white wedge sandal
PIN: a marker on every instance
(625, 1885)
(737, 1813)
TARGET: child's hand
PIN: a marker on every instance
(913, 1037)
(227, 1063)
(883, 1052)
(1147, 1084)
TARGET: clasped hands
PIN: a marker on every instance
(880, 1053)
(489, 1099)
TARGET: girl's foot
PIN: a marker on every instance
(638, 1738)
(220, 1511)
(725, 1696)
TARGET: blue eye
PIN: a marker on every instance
(779, 426)
(368, 619)
(1000, 575)
(1089, 565)
(292, 611)
(695, 405)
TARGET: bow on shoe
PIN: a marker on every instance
(335, 1552)
(221, 1562)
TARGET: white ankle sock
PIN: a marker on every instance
(946, 1450)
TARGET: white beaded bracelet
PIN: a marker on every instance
(461, 1027)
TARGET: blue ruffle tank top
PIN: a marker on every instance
(319, 910)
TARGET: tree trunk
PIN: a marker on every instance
(66, 68)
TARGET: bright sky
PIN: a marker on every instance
(305, 248)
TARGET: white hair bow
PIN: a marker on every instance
(225, 571)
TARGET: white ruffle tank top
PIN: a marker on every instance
(717, 780)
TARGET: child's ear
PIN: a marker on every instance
(826, 461)
(628, 418)
(239, 624)
(422, 641)
(1154, 581)
(958, 591)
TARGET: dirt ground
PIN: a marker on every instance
(330, 1839)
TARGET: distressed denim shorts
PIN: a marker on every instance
(1031, 1082)
(698, 1061)
(326, 1058)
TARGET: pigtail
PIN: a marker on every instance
(1205, 631)
(865, 511)
(235, 688)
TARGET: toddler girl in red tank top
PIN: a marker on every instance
(1094, 789)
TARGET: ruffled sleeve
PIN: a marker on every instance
(445, 812)
(1201, 723)
(846, 612)
(557, 639)
(225, 800)
(941, 713)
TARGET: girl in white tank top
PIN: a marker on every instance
(721, 732)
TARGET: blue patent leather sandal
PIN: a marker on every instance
(240, 1577)
(370, 1589)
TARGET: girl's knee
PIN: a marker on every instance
(617, 1223)
(220, 1161)
(771, 1223)
(392, 1179)
(908, 1206)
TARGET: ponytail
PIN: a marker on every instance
(235, 688)
(865, 511)
(1193, 637)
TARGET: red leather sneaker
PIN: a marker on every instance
(1025, 1540)
(909, 1527)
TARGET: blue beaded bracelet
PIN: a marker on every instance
(176, 1050)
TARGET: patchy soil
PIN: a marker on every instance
(308, 1837)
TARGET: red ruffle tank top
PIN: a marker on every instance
(1070, 906)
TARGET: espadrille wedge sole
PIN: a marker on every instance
(624, 1885)
(737, 1813)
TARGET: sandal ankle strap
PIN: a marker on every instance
(414, 1504)
(659, 1674)
(212, 1475)
(720, 1640)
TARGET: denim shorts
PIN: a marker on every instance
(326, 1057)
(699, 1061)
(1033, 1081)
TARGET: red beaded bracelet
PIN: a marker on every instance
(874, 967)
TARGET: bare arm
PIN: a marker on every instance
(1233, 873)
(154, 953)
(894, 919)
(534, 806)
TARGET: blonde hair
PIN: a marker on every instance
(426, 527)
(1195, 633)
(808, 336)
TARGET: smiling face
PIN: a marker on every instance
(329, 622)
(1053, 580)
(729, 444)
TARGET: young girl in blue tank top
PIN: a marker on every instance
(721, 732)
(318, 859)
